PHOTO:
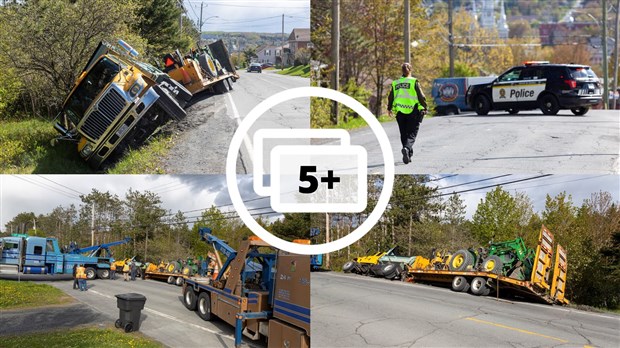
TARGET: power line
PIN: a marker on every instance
(473, 182)
(47, 187)
(67, 187)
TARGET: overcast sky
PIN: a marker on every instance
(42, 193)
(250, 15)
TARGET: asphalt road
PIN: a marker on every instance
(204, 136)
(356, 311)
(527, 143)
(164, 316)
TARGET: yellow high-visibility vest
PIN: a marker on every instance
(405, 96)
(80, 273)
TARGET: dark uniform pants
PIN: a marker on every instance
(409, 125)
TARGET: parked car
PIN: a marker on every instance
(549, 87)
(255, 67)
(266, 65)
(449, 93)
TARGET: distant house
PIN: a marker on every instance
(299, 38)
(268, 54)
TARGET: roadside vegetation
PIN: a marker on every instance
(81, 337)
(24, 294)
(301, 70)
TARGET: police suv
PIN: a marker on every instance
(538, 85)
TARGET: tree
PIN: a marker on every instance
(144, 212)
(249, 53)
(159, 24)
(498, 217)
(22, 223)
(292, 226)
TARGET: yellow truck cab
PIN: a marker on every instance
(117, 102)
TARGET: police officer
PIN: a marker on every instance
(409, 103)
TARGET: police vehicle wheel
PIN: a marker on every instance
(549, 105)
(482, 105)
(513, 111)
(580, 111)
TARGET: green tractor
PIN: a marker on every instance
(510, 258)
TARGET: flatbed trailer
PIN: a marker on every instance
(486, 283)
(172, 278)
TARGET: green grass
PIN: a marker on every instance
(28, 294)
(146, 159)
(26, 149)
(359, 122)
(82, 337)
(301, 70)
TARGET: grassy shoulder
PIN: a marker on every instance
(301, 70)
(26, 149)
(81, 337)
(18, 295)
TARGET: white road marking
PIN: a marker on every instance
(167, 316)
(246, 140)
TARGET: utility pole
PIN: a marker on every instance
(407, 34)
(335, 55)
(282, 49)
(92, 225)
(605, 74)
(327, 260)
(450, 38)
(616, 51)
(201, 4)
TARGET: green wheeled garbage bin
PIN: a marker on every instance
(129, 309)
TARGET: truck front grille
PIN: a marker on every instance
(108, 109)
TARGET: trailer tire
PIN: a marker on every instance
(103, 273)
(493, 264)
(460, 284)
(171, 280)
(390, 271)
(220, 87)
(189, 299)
(179, 281)
(460, 260)
(479, 286)
(203, 306)
(90, 273)
(348, 266)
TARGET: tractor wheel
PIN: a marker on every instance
(479, 286)
(187, 270)
(204, 306)
(179, 281)
(460, 284)
(549, 104)
(493, 264)
(173, 267)
(348, 266)
(103, 273)
(171, 280)
(460, 260)
(482, 105)
(189, 298)
(90, 273)
(207, 64)
(580, 111)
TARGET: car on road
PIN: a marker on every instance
(255, 67)
(538, 85)
(266, 65)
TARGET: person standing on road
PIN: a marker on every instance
(80, 273)
(408, 101)
(76, 282)
(126, 272)
(112, 271)
(133, 270)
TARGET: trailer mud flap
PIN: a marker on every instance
(169, 105)
(558, 285)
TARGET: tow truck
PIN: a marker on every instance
(493, 280)
(261, 291)
(23, 254)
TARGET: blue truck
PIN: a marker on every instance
(23, 254)
(449, 93)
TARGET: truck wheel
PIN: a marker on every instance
(460, 284)
(103, 273)
(549, 104)
(460, 260)
(493, 264)
(90, 273)
(179, 281)
(478, 286)
(580, 111)
(169, 104)
(348, 266)
(203, 304)
(482, 105)
(389, 271)
(171, 280)
(220, 87)
(189, 298)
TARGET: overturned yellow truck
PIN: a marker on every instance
(532, 282)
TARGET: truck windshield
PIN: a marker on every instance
(93, 83)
